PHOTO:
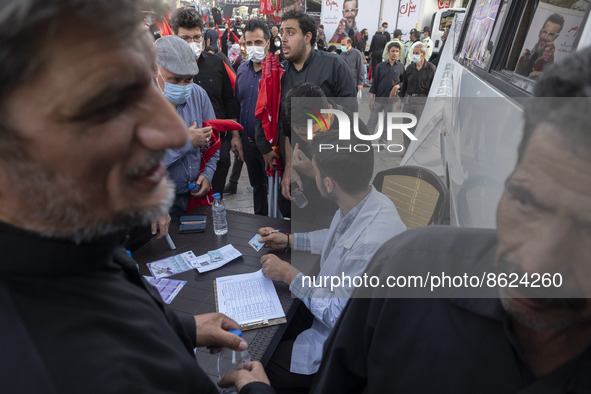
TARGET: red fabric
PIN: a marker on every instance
(231, 75)
(220, 125)
(204, 17)
(370, 73)
(217, 125)
(267, 108)
(227, 19)
(236, 39)
(218, 29)
(266, 7)
(164, 27)
(214, 145)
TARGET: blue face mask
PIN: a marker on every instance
(177, 94)
(416, 58)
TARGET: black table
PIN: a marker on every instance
(197, 296)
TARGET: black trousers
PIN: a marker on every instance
(278, 369)
(218, 182)
(255, 165)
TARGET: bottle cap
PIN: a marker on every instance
(191, 186)
(216, 195)
(236, 332)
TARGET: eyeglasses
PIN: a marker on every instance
(350, 10)
(196, 38)
(549, 34)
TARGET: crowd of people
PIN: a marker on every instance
(122, 135)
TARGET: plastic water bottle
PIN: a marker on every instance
(230, 360)
(220, 224)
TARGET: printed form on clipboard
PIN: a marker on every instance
(250, 299)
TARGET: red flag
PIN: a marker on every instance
(236, 39)
(227, 19)
(204, 17)
(267, 107)
(218, 29)
(217, 125)
(164, 27)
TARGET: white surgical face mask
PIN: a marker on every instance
(344, 48)
(277, 44)
(197, 48)
(255, 53)
(416, 58)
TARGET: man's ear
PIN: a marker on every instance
(308, 37)
(329, 184)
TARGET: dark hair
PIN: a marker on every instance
(557, 19)
(569, 79)
(417, 34)
(331, 48)
(254, 24)
(209, 48)
(321, 26)
(315, 98)
(211, 24)
(427, 29)
(393, 44)
(397, 33)
(321, 44)
(351, 170)
(27, 27)
(305, 21)
(384, 24)
(187, 18)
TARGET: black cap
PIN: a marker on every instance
(427, 29)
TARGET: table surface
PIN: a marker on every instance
(197, 296)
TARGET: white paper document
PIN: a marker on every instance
(248, 298)
(204, 263)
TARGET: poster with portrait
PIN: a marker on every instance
(339, 16)
(477, 46)
(550, 37)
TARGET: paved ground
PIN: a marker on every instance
(242, 200)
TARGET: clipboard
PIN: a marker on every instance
(250, 325)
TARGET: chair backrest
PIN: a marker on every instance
(419, 195)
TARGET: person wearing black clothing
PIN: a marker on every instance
(212, 37)
(213, 77)
(417, 80)
(378, 43)
(362, 42)
(327, 71)
(386, 32)
(76, 315)
(386, 82)
(256, 35)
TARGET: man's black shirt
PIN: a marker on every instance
(417, 82)
(213, 77)
(386, 77)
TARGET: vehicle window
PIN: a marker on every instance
(447, 19)
(478, 47)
